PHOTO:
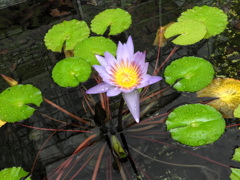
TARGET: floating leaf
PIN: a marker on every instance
(14, 100)
(236, 156)
(70, 32)
(189, 32)
(194, 73)
(235, 175)
(88, 48)
(13, 173)
(228, 92)
(70, 72)
(214, 19)
(195, 124)
(118, 20)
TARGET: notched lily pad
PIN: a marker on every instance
(14, 100)
(235, 175)
(118, 20)
(70, 32)
(214, 19)
(70, 72)
(195, 124)
(88, 48)
(193, 73)
(189, 32)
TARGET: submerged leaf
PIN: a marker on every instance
(160, 39)
(195, 124)
(88, 48)
(228, 92)
(214, 19)
(14, 100)
(13, 173)
(70, 72)
(2, 123)
(194, 73)
(70, 32)
(189, 32)
(235, 175)
(118, 20)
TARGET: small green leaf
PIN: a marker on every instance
(190, 32)
(194, 73)
(88, 48)
(70, 72)
(214, 19)
(14, 100)
(237, 112)
(13, 173)
(70, 32)
(195, 124)
(236, 155)
(235, 175)
(118, 20)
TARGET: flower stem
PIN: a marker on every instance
(120, 111)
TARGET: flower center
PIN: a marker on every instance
(127, 76)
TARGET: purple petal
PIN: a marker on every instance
(125, 57)
(100, 88)
(111, 62)
(119, 51)
(139, 58)
(101, 60)
(102, 72)
(130, 46)
(145, 68)
(148, 80)
(113, 91)
(132, 101)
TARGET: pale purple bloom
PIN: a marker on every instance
(125, 75)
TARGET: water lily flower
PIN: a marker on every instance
(124, 74)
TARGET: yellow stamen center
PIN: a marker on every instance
(126, 76)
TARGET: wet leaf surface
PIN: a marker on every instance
(118, 20)
(195, 124)
(14, 102)
(189, 73)
(70, 72)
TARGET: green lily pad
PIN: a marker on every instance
(193, 73)
(118, 20)
(14, 100)
(13, 173)
(195, 124)
(88, 48)
(236, 112)
(214, 19)
(235, 175)
(236, 155)
(70, 32)
(190, 32)
(70, 72)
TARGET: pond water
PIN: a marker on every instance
(152, 153)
